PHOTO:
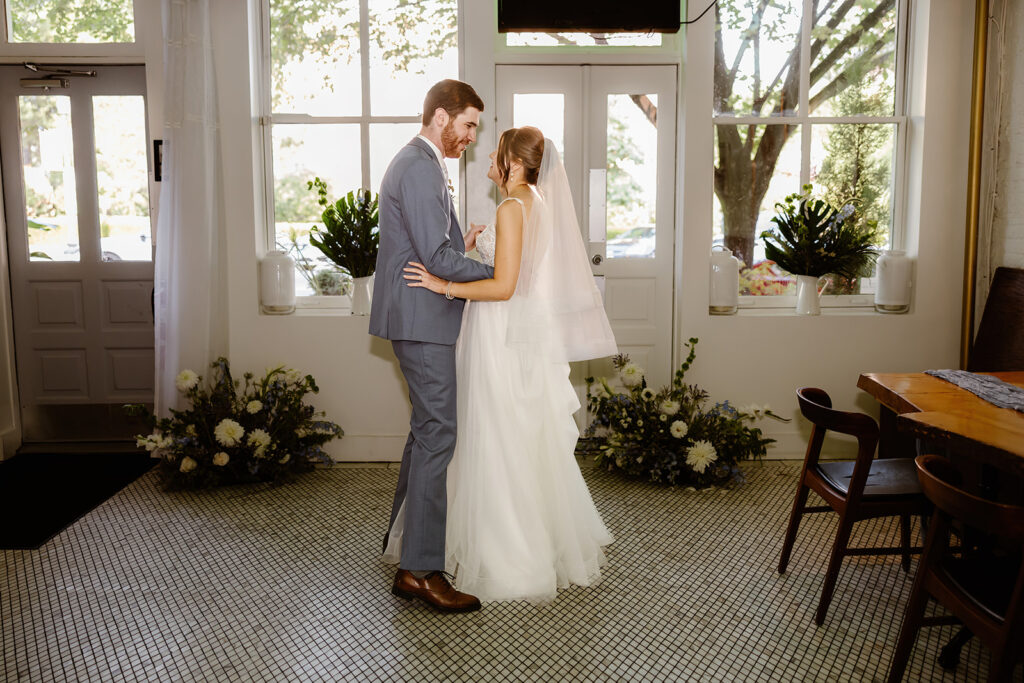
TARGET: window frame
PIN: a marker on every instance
(805, 121)
(99, 53)
(267, 119)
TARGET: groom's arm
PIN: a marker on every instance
(424, 205)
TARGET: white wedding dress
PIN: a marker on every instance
(521, 522)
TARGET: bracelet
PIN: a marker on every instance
(448, 291)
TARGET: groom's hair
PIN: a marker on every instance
(452, 96)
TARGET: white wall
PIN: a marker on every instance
(754, 356)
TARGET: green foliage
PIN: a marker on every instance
(331, 282)
(623, 189)
(71, 21)
(277, 433)
(350, 236)
(670, 436)
(292, 201)
(812, 237)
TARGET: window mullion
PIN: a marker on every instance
(364, 72)
(803, 108)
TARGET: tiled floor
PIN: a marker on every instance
(285, 584)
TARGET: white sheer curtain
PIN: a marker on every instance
(190, 311)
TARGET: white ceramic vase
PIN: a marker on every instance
(724, 288)
(277, 283)
(362, 295)
(892, 293)
(808, 294)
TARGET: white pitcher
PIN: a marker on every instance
(808, 294)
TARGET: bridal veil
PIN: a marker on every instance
(557, 310)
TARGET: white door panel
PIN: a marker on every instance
(619, 128)
(76, 198)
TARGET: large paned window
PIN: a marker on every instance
(344, 91)
(68, 21)
(806, 91)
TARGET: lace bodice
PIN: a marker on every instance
(485, 241)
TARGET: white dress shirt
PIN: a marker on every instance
(440, 160)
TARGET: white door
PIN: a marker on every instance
(616, 129)
(75, 163)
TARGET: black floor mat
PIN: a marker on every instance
(43, 493)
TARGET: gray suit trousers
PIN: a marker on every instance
(429, 370)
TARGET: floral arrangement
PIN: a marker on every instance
(813, 237)
(670, 436)
(231, 433)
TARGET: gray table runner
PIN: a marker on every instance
(994, 390)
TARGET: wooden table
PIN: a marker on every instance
(919, 405)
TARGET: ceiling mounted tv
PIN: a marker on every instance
(604, 16)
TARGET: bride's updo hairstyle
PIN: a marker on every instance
(525, 145)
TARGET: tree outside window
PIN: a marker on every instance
(805, 91)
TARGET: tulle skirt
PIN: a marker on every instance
(521, 522)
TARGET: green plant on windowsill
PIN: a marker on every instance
(350, 235)
(813, 237)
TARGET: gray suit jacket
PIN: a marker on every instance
(416, 212)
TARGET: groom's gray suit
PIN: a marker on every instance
(418, 223)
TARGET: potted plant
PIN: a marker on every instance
(813, 238)
(349, 238)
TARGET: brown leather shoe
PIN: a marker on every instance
(435, 590)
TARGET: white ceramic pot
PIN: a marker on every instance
(808, 294)
(277, 283)
(362, 295)
(724, 291)
(892, 293)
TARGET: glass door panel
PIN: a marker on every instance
(632, 175)
(48, 163)
(122, 177)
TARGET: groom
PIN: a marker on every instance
(418, 223)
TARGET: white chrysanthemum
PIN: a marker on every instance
(164, 442)
(187, 464)
(700, 455)
(259, 439)
(148, 442)
(186, 380)
(285, 458)
(253, 407)
(228, 432)
(663, 417)
(647, 393)
(679, 429)
(631, 374)
(221, 459)
(670, 407)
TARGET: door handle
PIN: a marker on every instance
(597, 259)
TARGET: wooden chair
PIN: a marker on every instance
(856, 490)
(986, 594)
(1000, 341)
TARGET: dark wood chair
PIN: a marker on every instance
(985, 593)
(860, 489)
(1000, 341)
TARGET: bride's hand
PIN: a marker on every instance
(419, 277)
(474, 230)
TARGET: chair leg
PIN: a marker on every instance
(908, 631)
(1002, 665)
(794, 523)
(905, 541)
(835, 561)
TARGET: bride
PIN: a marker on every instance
(521, 522)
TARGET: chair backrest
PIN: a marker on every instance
(1000, 341)
(938, 482)
(816, 406)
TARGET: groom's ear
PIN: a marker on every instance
(441, 117)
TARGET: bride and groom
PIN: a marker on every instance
(489, 488)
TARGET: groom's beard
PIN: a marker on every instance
(450, 142)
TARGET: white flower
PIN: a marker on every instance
(186, 380)
(700, 455)
(285, 458)
(147, 442)
(187, 464)
(228, 432)
(164, 442)
(663, 417)
(260, 439)
(631, 374)
(670, 407)
(253, 407)
(221, 459)
(647, 393)
(679, 429)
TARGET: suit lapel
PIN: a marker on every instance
(454, 230)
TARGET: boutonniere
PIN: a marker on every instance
(451, 189)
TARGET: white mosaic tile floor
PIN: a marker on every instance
(264, 584)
